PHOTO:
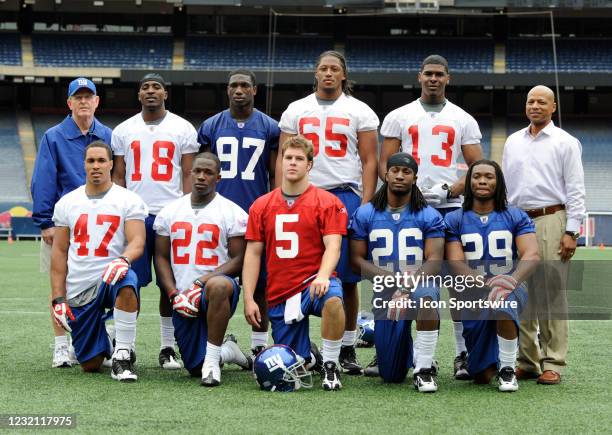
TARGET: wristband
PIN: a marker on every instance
(173, 294)
(199, 283)
(127, 260)
(58, 300)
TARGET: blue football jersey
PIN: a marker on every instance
(489, 241)
(395, 239)
(244, 150)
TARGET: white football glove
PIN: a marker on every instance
(504, 281)
(61, 313)
(437, 195)
(398, 313)
(187, 303)
(116, 271)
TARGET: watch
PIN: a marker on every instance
(573, 234)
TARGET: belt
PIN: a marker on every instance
(543, 211)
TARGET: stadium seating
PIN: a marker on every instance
(10, 49)
(463, 55)
(102, 51)
(211, 53)
(596, 158)
(573, 55)
(13, 186)
(486, 131)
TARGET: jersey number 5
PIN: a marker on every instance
(81, 235)
(289, 236)
(161, 170)
(202, 245)
(329, 135)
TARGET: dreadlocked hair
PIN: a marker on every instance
(380, 200)
(501, 200)
(347, 85)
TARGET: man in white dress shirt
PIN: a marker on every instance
(543, 166)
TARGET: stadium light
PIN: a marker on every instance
(98, 3)
(138, 2)
(58, 2)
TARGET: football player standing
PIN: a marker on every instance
(153, 152)
(301, 228)
(435, 132)
(343, 131)
(246, 142)
(99, 232)
(396, 229)
(493, 236)
(198, 253)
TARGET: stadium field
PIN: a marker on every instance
(164, 401)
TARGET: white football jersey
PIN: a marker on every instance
(97, 233)
(433, 139)
(333, 131)
(152, 156)
(199, 238)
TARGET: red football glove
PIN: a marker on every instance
(187, 303)
(61, 313)
(116, 271)
(398, 313)
(504, 281)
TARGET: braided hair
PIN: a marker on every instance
(500, 196)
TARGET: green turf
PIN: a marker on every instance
(170, 401)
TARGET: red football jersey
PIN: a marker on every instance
(293, 237)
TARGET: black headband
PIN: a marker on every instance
(402, 159)
(153, 77)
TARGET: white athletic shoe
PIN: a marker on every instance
(211, 375)
(123, 368)
(72, 355)
(237, 356)
(506, 380)
(168, 360)
(425, 381)
(61, 356)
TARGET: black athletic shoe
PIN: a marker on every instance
(460, 367)
(330, 376)
(506, 380)
(168, 360)
(123, 369)
(254, 352)
(425, 381)
(318, 362)
(371, 370)
(348, 361)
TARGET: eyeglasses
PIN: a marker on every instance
(86, 97)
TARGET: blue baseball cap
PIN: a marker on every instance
(80, 83)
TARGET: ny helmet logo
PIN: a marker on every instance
(274, 362)
(82, 82)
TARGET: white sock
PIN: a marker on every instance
(60, 340)
(166, 331)
(425, 345)
(507, 352)
(331, 350)
(213, 354)
(459, 340)
(259, 339)
(349, 338)
(125, 328)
